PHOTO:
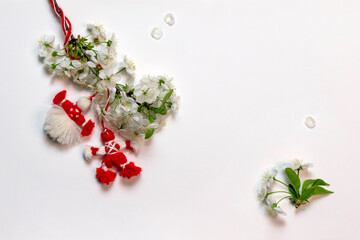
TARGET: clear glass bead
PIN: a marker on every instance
(169, 19)
(310, 122)
(157, 33)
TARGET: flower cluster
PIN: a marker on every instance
(135, 111)
(293, 192)
(139, 111)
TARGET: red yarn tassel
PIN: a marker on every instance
(87, 128)
(105, 176)
(59, 97)
(130, 170)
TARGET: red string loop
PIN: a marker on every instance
(92, 96)
(65, 22)
(108, 101)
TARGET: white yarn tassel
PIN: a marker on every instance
(88, 153)
(84, 103)
(60, 127)
(136, 145)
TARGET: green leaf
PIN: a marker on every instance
(313, 182)
(292, 191)
(149, 133)
(151, 119)
(320, 182)
(167, 96)
(306, 184)
(126, 88)
(294, 178)
(161, 82)
(319, 190)
(313, 190)
(307, 193)
(161, 110)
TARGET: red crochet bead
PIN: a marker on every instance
(107, 135)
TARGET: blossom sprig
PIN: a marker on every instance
(298, 193)
(82, 60)
(135, 111)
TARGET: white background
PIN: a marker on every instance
(248, 72)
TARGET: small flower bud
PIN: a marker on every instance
(53, 66)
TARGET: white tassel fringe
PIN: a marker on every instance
(87, 153)
(60, 127)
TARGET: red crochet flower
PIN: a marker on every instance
(105, 176)
(130, 170)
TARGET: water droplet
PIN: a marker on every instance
(310, 122)
(157, 33)
(169, 19)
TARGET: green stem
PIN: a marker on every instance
(62, 55)
(92, 70)
(276, 192)
(283, 199)
(120, 70)
(88, 35)
(280, 182)
(113, 101)
(48, 46)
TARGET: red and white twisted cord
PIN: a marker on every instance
(106, 109)
(65, 22)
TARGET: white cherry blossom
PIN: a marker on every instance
(268, 177)
(261, 193)
(146, 91)
(272, 208)
(97, 31)
(46, 43)
(129, 66)
(298, 164)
